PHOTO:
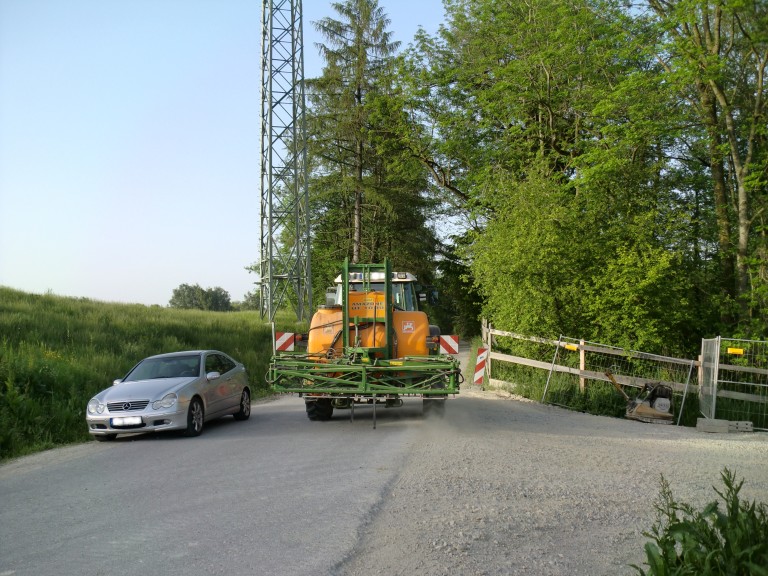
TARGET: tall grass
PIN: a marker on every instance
(56, 353)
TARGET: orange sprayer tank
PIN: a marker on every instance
(325, 332)
(411, 329)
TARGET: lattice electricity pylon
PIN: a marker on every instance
(285, 271)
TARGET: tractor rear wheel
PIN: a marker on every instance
(320, 409)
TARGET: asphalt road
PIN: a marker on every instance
(276, 494)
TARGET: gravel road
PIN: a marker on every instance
(503, 486)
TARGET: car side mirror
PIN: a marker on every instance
(213, 376)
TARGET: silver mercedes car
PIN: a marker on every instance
(177, 391)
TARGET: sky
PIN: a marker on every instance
(129, 141)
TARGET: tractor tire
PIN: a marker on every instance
(319, 410)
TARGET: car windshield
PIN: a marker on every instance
(166, 367)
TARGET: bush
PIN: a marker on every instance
(712, 542)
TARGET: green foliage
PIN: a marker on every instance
(577, 142)
(457, 310)
(198, 298)
(527, 279)
(56, 353)
(732, 540)
(251, 301)
(560, 152)
(639, 300)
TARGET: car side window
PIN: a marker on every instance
(212, 364)
(218, 363)
(226, 364)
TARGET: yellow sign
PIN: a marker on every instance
(739, 351)
(367, 304)
(571, 347)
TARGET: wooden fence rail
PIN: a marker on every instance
(582, 372)
(743, 382)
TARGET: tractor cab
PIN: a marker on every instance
(405, 295)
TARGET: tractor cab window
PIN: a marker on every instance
(402, 293)
(408, 299)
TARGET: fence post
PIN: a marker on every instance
(717, 377)
(685, 391)
(582, 366)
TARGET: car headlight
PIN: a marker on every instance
(167, 401)
(96, 407)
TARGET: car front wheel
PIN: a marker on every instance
(194, 418)
(245, 406)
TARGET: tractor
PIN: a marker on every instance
(368, 344)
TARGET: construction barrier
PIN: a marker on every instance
(482, 357)
(449, 345)
(284, 341)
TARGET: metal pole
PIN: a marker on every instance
(685, 392)
(551, 368)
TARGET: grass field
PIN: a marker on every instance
(56, 353)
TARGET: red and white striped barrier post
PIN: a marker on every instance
(449, 345)
(482, 357)
(284, 341)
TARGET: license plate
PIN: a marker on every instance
(126, 421)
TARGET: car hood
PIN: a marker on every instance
(144, 389)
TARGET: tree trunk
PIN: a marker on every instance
(358, 209)
(720, 190)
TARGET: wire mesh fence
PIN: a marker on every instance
(591, 369)
(731, 382)
(734, 380)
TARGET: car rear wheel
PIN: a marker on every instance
(194, 418)
(105, 437)
(245, 406)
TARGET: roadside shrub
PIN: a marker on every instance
(730, 541)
